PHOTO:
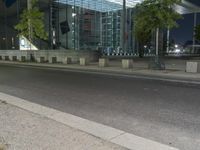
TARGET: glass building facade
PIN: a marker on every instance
(105, 25)
(75, 24)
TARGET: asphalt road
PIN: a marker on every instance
(166, 112)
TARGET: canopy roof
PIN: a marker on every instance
(112, 5)
(101, 5)
(186, 8)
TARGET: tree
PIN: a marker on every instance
(143, 35)
(197, 32)
(152, 16)
(31, 23)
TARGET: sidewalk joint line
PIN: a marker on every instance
(117, 136)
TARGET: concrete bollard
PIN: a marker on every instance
(103, 62)
(14, 58)
(23, 58)
(53, 60)
(41, 60)
(193, 66)
(67, 60)
(84, 61)
(127, 63)
(7, 58)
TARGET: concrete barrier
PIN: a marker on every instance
(53, 60)
(193, 66)
(103, 62)
(127, 63)
(14, 58)
(67, 60)
(84, 61)
(92, 56)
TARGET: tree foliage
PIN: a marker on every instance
(197, 32)
(32, 18)
(153, 14)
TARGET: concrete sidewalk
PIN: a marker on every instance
(27, 125)
(22, 130)
(174, 72)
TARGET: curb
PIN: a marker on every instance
(189, 79)
(104, 132)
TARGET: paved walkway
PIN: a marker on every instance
(23, 130)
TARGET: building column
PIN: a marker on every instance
(194, 39)
(168, 38)
(157, 41)
(124, 26)
(29, 6)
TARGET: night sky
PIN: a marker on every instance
(185, 30)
